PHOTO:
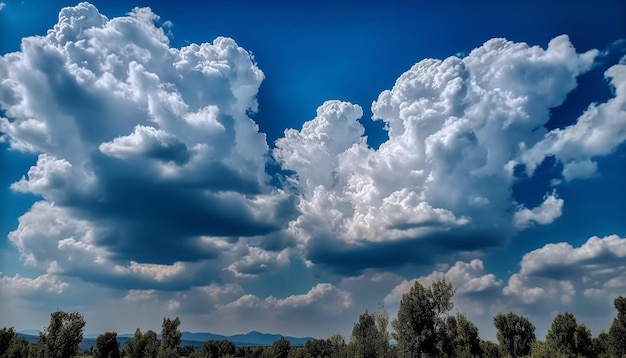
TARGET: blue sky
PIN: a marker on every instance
(284, 168)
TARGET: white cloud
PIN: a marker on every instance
(2, 6)
(455, 126)
(597, 132)
(19, 285)
(146, 154)
(549, 210)
(467, 278)
(594, 257)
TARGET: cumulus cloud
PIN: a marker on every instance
(30, 286)
(597, 132)
(597, 256)
(549, 210)
(145, 151)
(468, 279)
(443, 181)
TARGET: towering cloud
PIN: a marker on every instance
(443, 181)
(147, 161)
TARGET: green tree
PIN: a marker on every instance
(420, 326)
(617, 332)
(280, 348)
(141, 345)
(107, 346)
(516, 334)
(381, 318)
(562, 334)
(339, 349)
(545, 350)
(463, 338)
(186, 350)
(313, 348)
(170, 338)
(63, 335)
(365, 337)
(600, 345)
(217, 348)
(38, 348)
(584, 341)
(489, 349)
(18, 348)
(6, 337)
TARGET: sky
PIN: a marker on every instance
(283, 168)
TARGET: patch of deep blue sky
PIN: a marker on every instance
(352, 50)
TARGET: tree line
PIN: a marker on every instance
(423, 327)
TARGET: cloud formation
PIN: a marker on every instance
(153, 184)
(148, 164)
(443, 181)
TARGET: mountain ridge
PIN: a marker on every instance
(252, 338)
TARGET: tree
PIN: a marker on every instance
(365, 337)
(562, 334)
(187, 350)
(6, 336)
(12, 346)
(600, 345)
(18, 348)
(463, 336)
(381, 318)
(584, 341)
(338, 346)
(170, 338)
(516, 334)
(617, 332)
(141, 345)
(107, 346)
(420, 325)
(280, 348)
(545, 350)
(38, 348)
(217, 348)
(63, 335)
(489, 349)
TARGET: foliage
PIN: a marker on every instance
(186, 350)
(215, 349)
(107, 346)
(62, 336)
(516, 334)
(280, 348)
(617, 332)
(489, 349)
(364, 340)
(170, 338)
(6, 337)
(462, 338)
(17, 347)
(600, 345)
(141, 345)
(562, 335)
(546, 350)
(419, 326)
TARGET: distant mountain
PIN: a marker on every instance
(30, 332)
(255, 338)
(202, 337)
(252, 338)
